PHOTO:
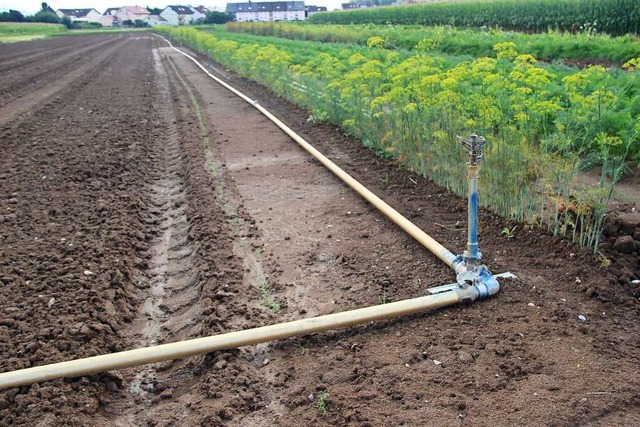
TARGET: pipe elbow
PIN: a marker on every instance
(486, 284)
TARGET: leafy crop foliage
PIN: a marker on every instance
(615, 17)
(541, 126)
(454, 41)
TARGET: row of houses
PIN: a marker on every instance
(272, 11)
(118, 16)
(183, 15)
(268, 11)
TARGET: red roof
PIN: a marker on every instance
(136, 10)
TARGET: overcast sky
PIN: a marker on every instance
(29, 7)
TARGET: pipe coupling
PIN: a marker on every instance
(477, 283)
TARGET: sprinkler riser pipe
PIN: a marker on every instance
(473, 254)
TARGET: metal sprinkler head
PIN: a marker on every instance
(473, 145)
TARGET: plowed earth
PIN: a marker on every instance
(141, 203)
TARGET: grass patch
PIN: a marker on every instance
(11, 32)
(25, 38)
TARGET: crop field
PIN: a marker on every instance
(142, 203)
(549, 121)
(615, 17)
(548, 46)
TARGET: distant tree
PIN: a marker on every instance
(44, 7)
(218, 17)
(127, 23)
(140, 23)
(42, 16)
(11, 16)
(154, 10)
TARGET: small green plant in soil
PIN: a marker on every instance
(508, 232)
(321, 402)
(263, 287)
(383, 299)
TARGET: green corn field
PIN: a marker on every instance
(615, 17)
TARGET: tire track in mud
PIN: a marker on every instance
(234, 380)
(169, 309)
(196, 286)
(246, 247)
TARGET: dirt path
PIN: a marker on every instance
(164, 208)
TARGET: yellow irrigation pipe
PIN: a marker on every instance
(447, 295)
(141, 356)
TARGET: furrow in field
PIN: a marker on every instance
(60, 83)
(21, 60)
(40, 74)
(73, 225)
(15, 51)
(169, 309)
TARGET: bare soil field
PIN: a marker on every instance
(141, 203)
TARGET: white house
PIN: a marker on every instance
(178, 15)
(108, 21)
(155, 20)
(108, 18)
(131, 13)
(268, 11)
(310, 10)
(199, 12)
(79, 15)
